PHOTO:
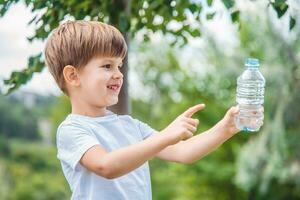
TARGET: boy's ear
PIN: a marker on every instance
(71, 75)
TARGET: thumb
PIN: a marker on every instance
(192, 110)
(233, 111)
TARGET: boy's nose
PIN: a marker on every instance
(118, 75)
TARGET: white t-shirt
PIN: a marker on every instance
(77, 133)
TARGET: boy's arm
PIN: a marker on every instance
(200, 145)
(119, 162)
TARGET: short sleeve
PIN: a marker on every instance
(73, 140)
(145, 129)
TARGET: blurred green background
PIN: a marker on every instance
(164, 80)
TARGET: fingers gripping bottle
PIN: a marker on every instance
(250, 97)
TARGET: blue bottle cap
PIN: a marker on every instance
(252, 63)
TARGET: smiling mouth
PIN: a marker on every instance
(114, 88)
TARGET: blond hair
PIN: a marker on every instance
(77, 42)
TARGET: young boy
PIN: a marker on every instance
(104, 155)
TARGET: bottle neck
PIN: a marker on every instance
(252, 68)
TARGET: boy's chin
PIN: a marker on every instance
(114, 102)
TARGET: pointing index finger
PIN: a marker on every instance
(192, 110)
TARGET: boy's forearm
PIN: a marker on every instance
(200, 145)
(126, 159)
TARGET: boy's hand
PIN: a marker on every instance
(183, 127)
(228, 121)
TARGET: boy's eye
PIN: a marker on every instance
(106, 66)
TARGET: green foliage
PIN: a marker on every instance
(268, 165)
(210, 15)
(235, 16)
(3, 145)
(228, 3)
(17, 79)
(21, 120)
(31, 171)
(58, 112)
(13, 123)
(209, 2)
(292, 23)
(280, 7)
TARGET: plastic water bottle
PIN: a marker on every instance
(250, 97)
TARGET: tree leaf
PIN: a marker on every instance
(193, 8)
(280, 1)
(195, 33)
(235, 16)
(18, 78)
(209, 2)
(280, 8)
(210, 16)
(292, 23)
(228, 3)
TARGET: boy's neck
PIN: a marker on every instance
(81, 108)
(98, 113)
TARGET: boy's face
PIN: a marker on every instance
(101, 81)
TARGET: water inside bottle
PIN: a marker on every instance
(250, 118)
